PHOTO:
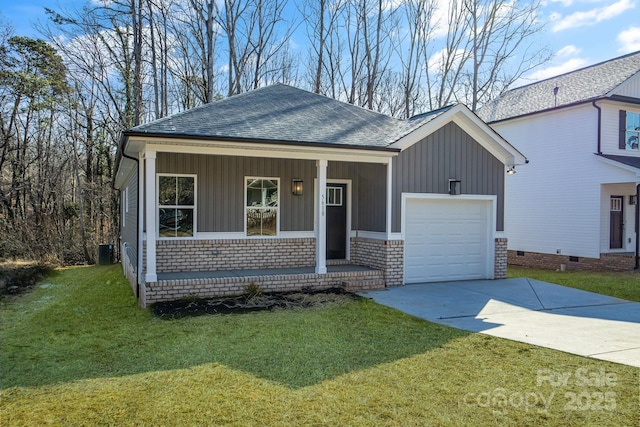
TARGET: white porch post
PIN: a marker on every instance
(389, 197)
(321, 229)
(140, 217)
(150, 212)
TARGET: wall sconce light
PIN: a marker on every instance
(633, 200)
(296, 187)
(454, 187)
(511, 170)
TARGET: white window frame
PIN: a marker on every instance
(627, 130)
(338, 196)
(125, 206)
(194, 206)
(277, 208)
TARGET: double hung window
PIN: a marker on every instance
(176, 205)
(261, 206)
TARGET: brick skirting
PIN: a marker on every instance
(500, 262)
(606, 262)
(239, 254)
(385, 255)
(168, 290)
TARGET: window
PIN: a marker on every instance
(176, 205)
(630, 130)
(334, 196)
(262, 206)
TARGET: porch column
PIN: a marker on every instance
(140, 216)
(150, 214)
(321, 229)
(389, 197)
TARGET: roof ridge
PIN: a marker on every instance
(598, 64)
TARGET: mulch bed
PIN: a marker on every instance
(251, 303)
(19, 279)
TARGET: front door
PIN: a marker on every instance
(336, 221)
(617, 224)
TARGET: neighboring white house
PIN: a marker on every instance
(576, 202)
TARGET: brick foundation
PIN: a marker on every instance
(385, 255)
(606, 262)
(500, 263)
(241, 254)
(168, 290)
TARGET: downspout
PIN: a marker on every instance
(599, 125)
(637, 227)
(137, 217)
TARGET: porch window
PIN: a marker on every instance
(176, 205)
(630, 130)
(261, 212)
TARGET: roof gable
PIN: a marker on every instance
(593, 82)
(482, 133)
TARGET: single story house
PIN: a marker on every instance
(576, 205)
(286, 189)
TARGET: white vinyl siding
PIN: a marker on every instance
(554, 203)
(610, 128)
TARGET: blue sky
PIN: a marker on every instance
(579, 32)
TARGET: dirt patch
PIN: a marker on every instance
(19, 278)
(251, 302)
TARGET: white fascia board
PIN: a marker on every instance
(488, 138)
(628, 168)
(246, 149)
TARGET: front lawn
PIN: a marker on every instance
(78, 351)
(625, 285)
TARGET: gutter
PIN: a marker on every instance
(259, 141)
(125, 155)
(599, 146)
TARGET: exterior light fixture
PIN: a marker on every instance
(296, 187)
(511, 170)
(454, 187)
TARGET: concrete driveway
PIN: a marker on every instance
(529, 311)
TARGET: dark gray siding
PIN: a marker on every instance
(369, 192)
(449, 153)
(129, 225)
(221, 188)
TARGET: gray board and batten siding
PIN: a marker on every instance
(220, 188)
(129, 228)
(448, 153)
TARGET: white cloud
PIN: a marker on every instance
(556, 70)
(568, 50)
(593, 16)
(629, 39)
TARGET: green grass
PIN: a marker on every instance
(624, 285)
(78, 351)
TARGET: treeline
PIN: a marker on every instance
(65, 98)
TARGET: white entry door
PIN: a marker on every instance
(448, 239)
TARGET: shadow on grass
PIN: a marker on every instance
(90, 327)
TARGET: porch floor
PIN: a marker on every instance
(219, 274)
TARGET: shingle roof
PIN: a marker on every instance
(284, 113)
(582, 85)
(625, 160)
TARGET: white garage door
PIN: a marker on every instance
(447, 239)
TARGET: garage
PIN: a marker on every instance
(448, 238)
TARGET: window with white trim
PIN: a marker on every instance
(176, 205)
(631, 131)
(334, 196)
(261, 206)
